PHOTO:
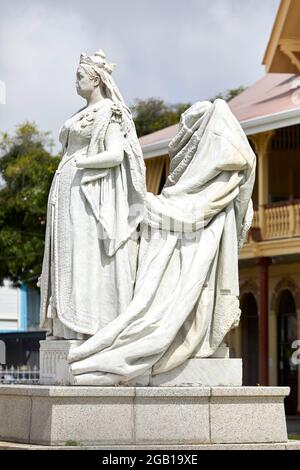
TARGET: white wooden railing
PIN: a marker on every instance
(22, 375)
(280, 220)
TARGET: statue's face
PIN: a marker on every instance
(84, 83)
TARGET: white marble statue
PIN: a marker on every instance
(183, 297)
(89, 265)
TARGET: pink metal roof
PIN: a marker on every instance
(271, 94)
(163, 134)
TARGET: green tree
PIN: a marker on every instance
(229, 94)
(26, 172)
(154, 114)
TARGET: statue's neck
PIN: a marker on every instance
(95, 97)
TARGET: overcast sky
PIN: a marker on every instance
(173, 49)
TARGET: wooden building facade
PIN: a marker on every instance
(269, 112)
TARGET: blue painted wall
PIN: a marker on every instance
(30, 310)
(23, 322)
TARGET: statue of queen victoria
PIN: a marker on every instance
(144, 280)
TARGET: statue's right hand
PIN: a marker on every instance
(80, 162)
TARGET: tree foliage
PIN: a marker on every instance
(154, 114)
(229, 94)
(26, 172)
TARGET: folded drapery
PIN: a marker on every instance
(186, 293)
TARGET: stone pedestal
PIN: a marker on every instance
(142, 416)
(54, 367)
(202, 372)
(217, 370)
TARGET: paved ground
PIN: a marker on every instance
(290, 445)
(293, 424)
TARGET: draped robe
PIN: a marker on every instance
(186, 292)
(89, 265)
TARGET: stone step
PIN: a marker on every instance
(109, 416)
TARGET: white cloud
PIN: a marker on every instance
(179, 51)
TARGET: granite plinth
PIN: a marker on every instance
(142, 416)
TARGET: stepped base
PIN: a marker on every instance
(142, 416)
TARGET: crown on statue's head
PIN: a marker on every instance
(97, 60)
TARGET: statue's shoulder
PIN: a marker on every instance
(108, 111)
(107, 105)
(102, 110)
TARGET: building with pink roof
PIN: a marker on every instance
(269, 112)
